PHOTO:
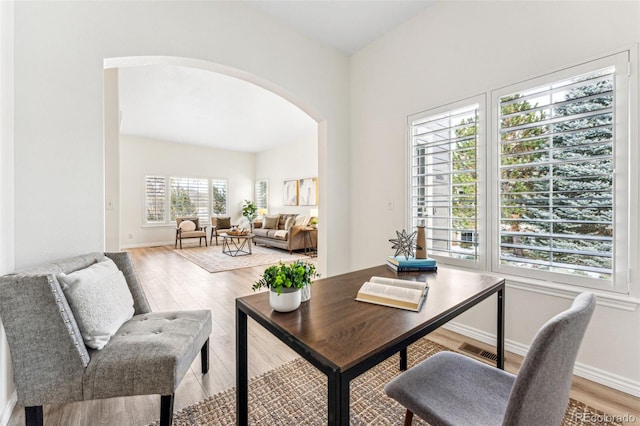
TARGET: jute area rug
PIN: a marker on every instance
(295, 394)
(211, 258)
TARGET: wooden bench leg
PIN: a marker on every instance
(166, 410)
(204, 357)
(33, 416)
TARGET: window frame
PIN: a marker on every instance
(626, 198)
(481, 217)
(167, 220)
(622, 186)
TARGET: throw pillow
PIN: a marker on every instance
(302, 220)
(224, 223)
(187, 225)
(289, 223)
(271, 222)
(100, 300)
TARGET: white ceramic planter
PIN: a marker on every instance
(288, 301)
(305, 293)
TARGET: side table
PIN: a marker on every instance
(310, 249)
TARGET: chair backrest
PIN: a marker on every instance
(47, 351)
(195, 220)
(541, 390)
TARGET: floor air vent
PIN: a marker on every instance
(478, 352)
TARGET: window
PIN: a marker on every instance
(444, 178)
(552, 194)
(169, 197)
(155, 187)
(219, 196)
(262, 194)
(561, 144)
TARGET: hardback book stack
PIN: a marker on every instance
(411, 264)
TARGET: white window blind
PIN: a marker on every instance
(155, 190)
(219, 196)
(190, 197)
(262, 194)
(561, 210)
(444, 180)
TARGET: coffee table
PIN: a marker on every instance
(344, 338)
(236, 245)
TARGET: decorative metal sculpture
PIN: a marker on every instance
(404, 244)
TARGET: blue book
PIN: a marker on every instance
(410, 261)
(412, 268)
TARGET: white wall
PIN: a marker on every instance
(140, 157)
(7, 387)
(456, 50)
(292, 161)
(60, 49)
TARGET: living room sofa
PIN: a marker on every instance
(284, 231)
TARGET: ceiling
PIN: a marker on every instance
(193, 106)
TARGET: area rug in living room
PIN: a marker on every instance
(212, 259)
(295, 394)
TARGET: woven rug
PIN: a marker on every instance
(295, 394)
(211, 258)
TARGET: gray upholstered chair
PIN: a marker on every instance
(452, 389)
(193, 230)
(149, 354)
(219, 225)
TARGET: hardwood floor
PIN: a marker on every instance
(173, 283)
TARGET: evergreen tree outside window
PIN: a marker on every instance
(219, 196)
(444, 179)
(189, 197)
(561, 143)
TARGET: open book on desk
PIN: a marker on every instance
(396, 293)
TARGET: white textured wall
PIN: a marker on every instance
(295, 160)
(140, 157)
(60, 49)
(6, 190)
(456, 50)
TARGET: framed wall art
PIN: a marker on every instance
(308, 192)
(290, 193)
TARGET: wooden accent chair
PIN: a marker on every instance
(52, 355)
(189, 227)
(452, 389)
(219, 225)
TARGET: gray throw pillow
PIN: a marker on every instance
(100, 300)
(270, 222)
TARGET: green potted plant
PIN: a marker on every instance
(249, 210)
(285, 282)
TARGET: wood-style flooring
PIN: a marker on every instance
(173, 283)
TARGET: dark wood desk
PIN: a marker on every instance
(344, 338)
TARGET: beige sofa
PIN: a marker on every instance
(280, 231)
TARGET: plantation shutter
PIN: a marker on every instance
(190, 197)
(219, 196)
(262, 194)
(155, 190)
(556, 181)
(444, 186)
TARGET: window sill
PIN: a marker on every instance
(605, 298)
(159, 225)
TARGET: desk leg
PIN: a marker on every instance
(500, 333)
(242, 376)
(403, 359)
(338, 400)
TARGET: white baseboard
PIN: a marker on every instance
(8, 409)
(141, 245)
(588, 372)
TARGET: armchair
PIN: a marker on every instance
(189, 227)
(148, 354)
(219, 225)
